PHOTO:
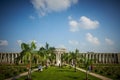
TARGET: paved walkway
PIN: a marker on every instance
(22, 74)
(96, 75)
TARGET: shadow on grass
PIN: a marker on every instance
(73, 77)
(63, 70)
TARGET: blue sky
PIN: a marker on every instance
(88, 25)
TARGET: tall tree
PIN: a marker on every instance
(47, 53)
(76, 58)
(87, 63)
(47, 46)
(26, 55)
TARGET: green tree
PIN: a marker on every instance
(75, 58)
(87, 62)
(47, 53)
(42, 53)
(64, 58)
(51, 55)
(26, 55)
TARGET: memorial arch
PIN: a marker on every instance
(58, 52)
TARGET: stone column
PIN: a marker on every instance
(58, 58)
(96, 58)
(11, 58)
(111, 58)
(93, 58)
(115, 58)
(4, 58)
(99, 58)
(0, 57)
(118, 57)
(8, 57)
(107, 58)
(103, 57)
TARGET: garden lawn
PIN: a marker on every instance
(56, 73)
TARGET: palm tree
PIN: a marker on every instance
(47, 53)
(26, 55)
(36, 58)
(51, 55)
(75, 57)
(87, 62)
(42, 53)
(64, 58)
(47, 46)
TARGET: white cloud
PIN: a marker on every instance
(3, 42)
(92, 39)
(84, 22)
(46, 6)
(73, 42)
(32, 17)
(87, 23)
(109, 41)
(73, 26)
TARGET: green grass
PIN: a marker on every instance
(55, 73)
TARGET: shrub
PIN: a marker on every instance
(2, 77)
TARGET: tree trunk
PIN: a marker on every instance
(86, 74)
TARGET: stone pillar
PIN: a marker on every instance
(118, 57)
(96, 58)
(0, 57)
(93, 58)
(58, 59)
(9, 58)
(90, 56)
(99, 58)
(112, 60)
(103, 57)
(3, 58)
(115, 58)
(106, 58)
(58, 52)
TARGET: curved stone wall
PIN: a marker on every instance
(8, 57)
(103, 58)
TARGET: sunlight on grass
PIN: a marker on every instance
(55, 73)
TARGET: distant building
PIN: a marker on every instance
(102, 58)
(8, 58)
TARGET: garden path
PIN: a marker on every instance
(94, 74)
(22, 74)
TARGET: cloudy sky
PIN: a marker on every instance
(88, 25)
